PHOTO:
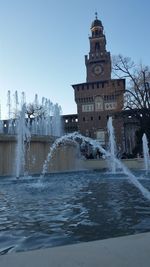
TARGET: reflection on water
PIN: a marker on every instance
(69, 208)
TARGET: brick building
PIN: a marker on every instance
(100, 96)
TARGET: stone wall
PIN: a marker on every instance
(36, 152)
(100, 164)
(64, 158)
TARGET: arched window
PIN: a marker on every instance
(97, 46)
(98, 103)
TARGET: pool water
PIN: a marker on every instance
(68, 208)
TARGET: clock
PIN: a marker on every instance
(97, 69)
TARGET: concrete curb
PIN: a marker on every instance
(127, 251)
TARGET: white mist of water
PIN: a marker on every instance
(1, 126)
(45, 117)
(9, 104)
(23, 137)
(56, 121)
(146, 153)
(112, 146)
(76, 137)
(16, 100)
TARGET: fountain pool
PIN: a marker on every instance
(67, 208)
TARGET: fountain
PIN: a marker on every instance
(40, 122)
(1, 127)
(43, 118)
(96, 145)
(23, 138)
(112, 145)
(69, 207)
(78, 206)
(146, 153)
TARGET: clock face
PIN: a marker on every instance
(97, 69)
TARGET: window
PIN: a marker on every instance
(98, 103)
(100, 135)
(96, 33)
(88, 108)
(110, 105)
(97, 46)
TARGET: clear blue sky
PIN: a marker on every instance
(43, 43)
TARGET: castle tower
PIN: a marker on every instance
(100, 96)
(98, 63)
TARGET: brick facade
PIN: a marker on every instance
(100, 96)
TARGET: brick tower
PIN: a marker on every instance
(98, 64)
(100, 96)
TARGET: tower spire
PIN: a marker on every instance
(96, 14)
(98, 64)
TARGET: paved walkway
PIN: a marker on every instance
(128, 251)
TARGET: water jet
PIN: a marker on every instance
(63, 208)
(146, 153)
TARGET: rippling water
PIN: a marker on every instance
(69, 208)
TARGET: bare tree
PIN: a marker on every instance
(34, 110)
(137, 94)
